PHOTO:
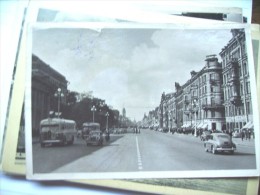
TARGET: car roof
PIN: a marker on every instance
(216, 134)
(95, 131)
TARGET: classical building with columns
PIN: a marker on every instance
(45, 83)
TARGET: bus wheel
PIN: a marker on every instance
(64, 142)
(72, 140)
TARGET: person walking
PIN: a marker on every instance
(242, 135)
(249, 135)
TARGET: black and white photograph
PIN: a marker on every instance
(141, 101)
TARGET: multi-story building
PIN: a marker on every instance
(45, 83)
(179, 105)
(236, 82)
(167, 108)
(218, 97)
(171, 104)
(203, 97)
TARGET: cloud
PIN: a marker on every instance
(127, 67)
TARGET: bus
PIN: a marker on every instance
(57, 131)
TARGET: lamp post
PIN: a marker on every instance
(59, 94)
(107, 115)
(170, 122)
(93, 109)
(195, 117)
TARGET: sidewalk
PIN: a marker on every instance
(249, 143)
(237, 141)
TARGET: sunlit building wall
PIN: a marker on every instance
(236, 82)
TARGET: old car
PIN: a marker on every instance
(219, 142)
(237, 134)
(94, 138)
(205, 135)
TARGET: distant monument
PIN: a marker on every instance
(124, 112)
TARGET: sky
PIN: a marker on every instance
(126, 67)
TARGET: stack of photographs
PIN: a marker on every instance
(165, 103)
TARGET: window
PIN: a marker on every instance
(241, 89)
(212, 114)
(227, 113)
(242, 109)
(248, 107)
(212, 101)
(245, 68)
(247, 87)
(240, 71)
(204, 78)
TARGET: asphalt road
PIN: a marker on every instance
(147, 151)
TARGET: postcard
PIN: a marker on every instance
(155, 185)
(116, 101)
(59, 12)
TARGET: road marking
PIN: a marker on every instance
(139, 158)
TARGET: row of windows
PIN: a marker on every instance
(230, 91)
(228, 74)
(238, 111)
(202, 91)
(204, 114)
(202, 81)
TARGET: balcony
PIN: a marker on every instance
(234, 79)
(236, 100)
(186, 101)
(213, 106)
(213, 81)
(187, 112)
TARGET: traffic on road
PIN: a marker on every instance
(143, 149)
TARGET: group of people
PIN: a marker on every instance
(136, 130)
(246, 135)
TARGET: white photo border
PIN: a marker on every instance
(123, 175)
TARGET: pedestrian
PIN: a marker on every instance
(230, 134)
(249, 134)
(242, 135)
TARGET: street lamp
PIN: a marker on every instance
(59, 94)
(195, 111)
(93, 109)
(170, 122)
(107, 115)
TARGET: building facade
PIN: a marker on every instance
(203, 97)
(217, 97)
(236, 82)
(45, 83)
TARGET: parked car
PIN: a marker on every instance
(160, 129)
(95, 138)
(219, 142)
(237, 134)
(205, 135)
(79, 133)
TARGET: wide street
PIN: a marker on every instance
(148, 151)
